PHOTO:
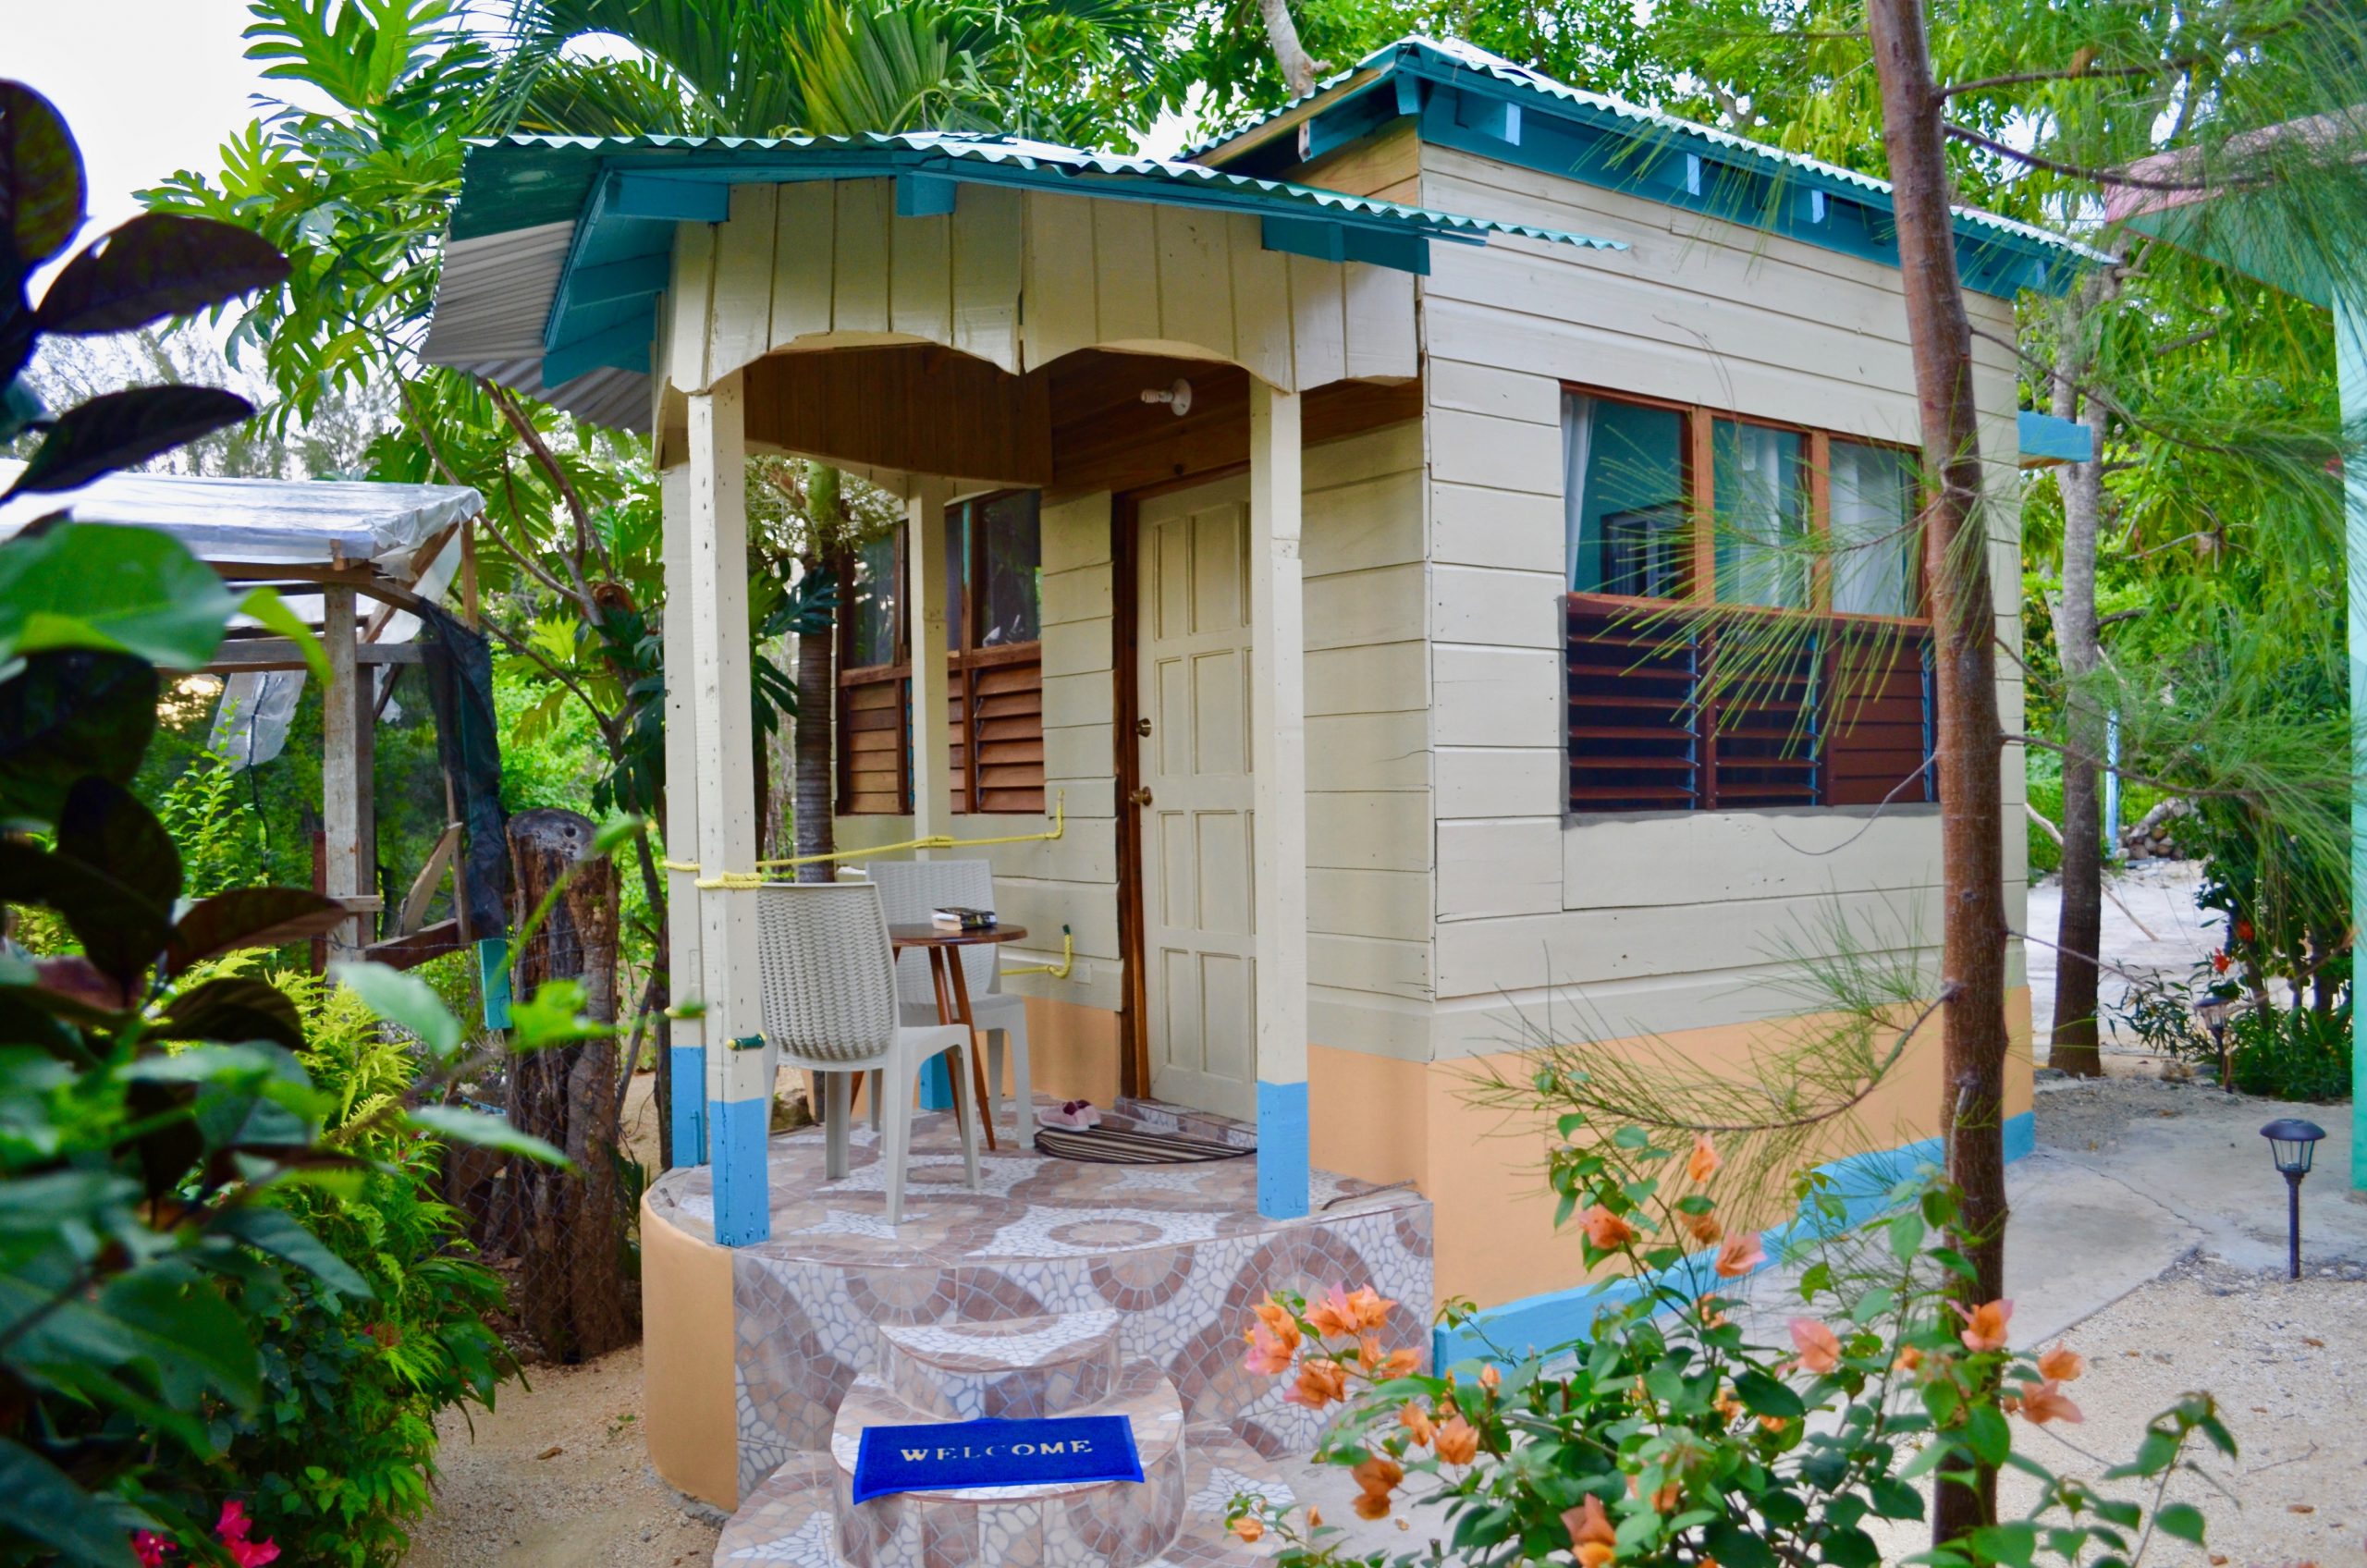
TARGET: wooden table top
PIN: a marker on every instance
(931, 935)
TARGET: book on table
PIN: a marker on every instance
(962, 917)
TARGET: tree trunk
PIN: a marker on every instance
(818, 684)
(574, 1291)
(2078, 936)
(1281, 36)
(1973, 1039)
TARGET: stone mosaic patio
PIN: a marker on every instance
(1179, 1252)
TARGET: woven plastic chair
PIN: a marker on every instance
(829, 994)
(910, 890)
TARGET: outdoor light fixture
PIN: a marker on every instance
(2292, 1143)
(1178, 396)
(2212, 1011)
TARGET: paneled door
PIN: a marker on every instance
(1199, 932)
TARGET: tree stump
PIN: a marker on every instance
(574, 1284)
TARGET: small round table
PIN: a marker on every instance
(954, 993)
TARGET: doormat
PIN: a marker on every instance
(1119, 1145)
(949, 1455)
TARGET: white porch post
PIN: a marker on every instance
(925, 588)
(739, 1095)
(687, 1049)
(1278, 765)
(341, 781)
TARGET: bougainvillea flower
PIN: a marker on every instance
(252, 1554)
(2062, 1365)
(1332, 1317)
(1315, 1518)
(1250, 1527)
(1702, 1227)
(2219, 961)
(1369, 1307)
(1417, 1421)
(1703, 1162)
(1820, 1348)
(1278, 1321)
(233, 1524)
(1321, 1381)
(1456, 1442)
(1727, 1405)
(151, 1549)
(2047, 1401)
(1910, 1358)
(1739, 1256)
(1607, 1230)
(1592, 1536)
(1489, 1378)
(1268, 1357)
(1984, 1326)
(1382, 1366)
(1711, 1316)
(1376, 1478)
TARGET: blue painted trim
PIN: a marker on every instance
(1863, 1181)
(1303, 237)
(665, 199)
(925, 195)
(609, 281)
(1281, 1150)
(743, 1210)
(936, 1084)
(493, 980)
(2050, 439)
(689, 1065)
(622, 347)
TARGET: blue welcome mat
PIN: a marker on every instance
(948, 1456)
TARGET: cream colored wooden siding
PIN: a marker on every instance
(1018, 279)
(1659, 923)
(1369, 890)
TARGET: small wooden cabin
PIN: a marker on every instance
(1277, 522)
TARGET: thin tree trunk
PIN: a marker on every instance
(2080, 928)
(574, 1292)
(818, 684)
(1281, 36)
(1973, 1039)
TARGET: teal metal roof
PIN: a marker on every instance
(1465, 97)
(576, 233)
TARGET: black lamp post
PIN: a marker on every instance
(2213, 1010)
(2292, 1142)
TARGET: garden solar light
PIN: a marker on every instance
(2213, 1010)
(2292, 1143)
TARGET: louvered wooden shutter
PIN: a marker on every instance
(1879, 719)
(874, 777)
(1761, 711)
(998, 712)
(1631, 719)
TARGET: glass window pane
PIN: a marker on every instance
(1011, 607)
(957, 571)
(876, 592)
(1762, 519)
(1875, 540)
(1624, 507)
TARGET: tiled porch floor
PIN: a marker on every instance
(1180, 1251)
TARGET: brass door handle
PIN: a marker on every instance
(1140, 797)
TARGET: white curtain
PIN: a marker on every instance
(1577, 449)
(1873, 544)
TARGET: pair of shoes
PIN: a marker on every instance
(1075, 1115)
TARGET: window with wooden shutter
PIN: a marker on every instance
(994, 667)
(1801, 676)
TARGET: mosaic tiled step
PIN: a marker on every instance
(791, 1518)
(1152, 1116)
(1052, 1364)
(1042, 1524)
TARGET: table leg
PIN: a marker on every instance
(953, 1007)
(985, 1101)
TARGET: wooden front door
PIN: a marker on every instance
(1199, 931)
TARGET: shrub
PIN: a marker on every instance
(2293, 1053)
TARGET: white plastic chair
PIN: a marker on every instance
(829, 995)
(910, 890)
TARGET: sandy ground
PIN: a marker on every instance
(2151, 929)
(556, 1478)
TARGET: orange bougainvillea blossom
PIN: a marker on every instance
(1702, 1227)
(1250, 1527)
(2062, 1365)
(1456, 1442)
(1739, 1256)
(1607, 1230)
(1376, 1478)
(1984, 1326)
(2046, 1401)
(1342, 1312)
(1703, 1162)
(1321, 1381)
(1820, 1348)
(1592, 1536)
(1416, 1422)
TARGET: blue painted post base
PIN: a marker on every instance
(1281, 1150)
(743, 1210)
(688, 1065)
(936, 1086)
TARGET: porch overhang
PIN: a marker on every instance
(571, 259)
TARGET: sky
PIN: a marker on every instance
(147, 86)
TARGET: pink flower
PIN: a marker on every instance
(1739, 1256)
(234, 1523)
(150, 1548)
(233, 1527)
(1820, 1348)
(252, 1554)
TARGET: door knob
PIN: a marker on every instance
(1142, 728)
(1140, 797)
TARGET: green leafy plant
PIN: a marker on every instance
(1671, 1432)
(215, 827)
